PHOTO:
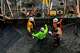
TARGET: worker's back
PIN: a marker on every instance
(41, 34)
(29, 26)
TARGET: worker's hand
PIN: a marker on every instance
(50, 32)
(58, 23)
(32, 34)
(33, 37)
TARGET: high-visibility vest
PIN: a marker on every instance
(29, 26)
(41, 34)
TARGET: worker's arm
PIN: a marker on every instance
(60, 21)
(46, 29)
(35, 34)
(5, 16)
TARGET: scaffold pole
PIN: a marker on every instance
(77, 7)
(9, 7)
(2, 6)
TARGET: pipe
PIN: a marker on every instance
(77, 7)
(9, 7)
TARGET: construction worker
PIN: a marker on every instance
(57, 22)
(30, 24)
(57, 31)
(41, 35)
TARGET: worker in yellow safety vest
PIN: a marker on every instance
(30, 24)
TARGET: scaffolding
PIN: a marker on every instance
(16, 5)
(77, 8)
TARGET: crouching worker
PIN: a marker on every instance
(41, 36)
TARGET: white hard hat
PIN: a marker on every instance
(60, 12)
(23, 9)
(55, 20)
(42, 29)
(31, 18)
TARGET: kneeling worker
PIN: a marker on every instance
(41, 35)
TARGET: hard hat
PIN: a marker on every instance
(60, 12)
(23, 9)
(31, 18)
(55, 20)
(42, 29)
